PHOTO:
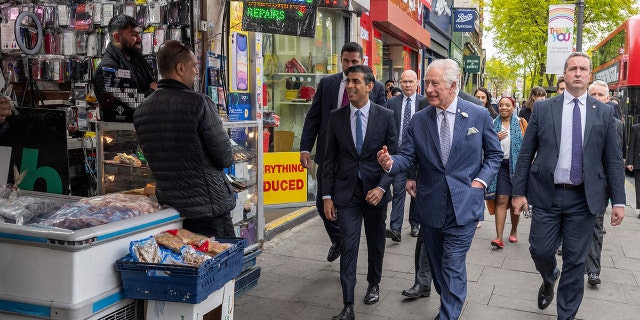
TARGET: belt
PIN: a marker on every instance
(569, 186)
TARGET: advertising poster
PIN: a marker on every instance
(560, 37)
(285, 180)
(239, 61)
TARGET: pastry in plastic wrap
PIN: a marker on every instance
(213, 247)
(146, 250)
(170, 241)
(193, 257)
(188, 237)
(139, 203)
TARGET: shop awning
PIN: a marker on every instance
(390, 19)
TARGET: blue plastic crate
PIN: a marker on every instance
(150, 281)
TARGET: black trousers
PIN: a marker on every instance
(330, 226)
(219, 227)
(350, 220)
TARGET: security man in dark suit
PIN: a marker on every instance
(330, 95)
(354, 186)
(569, 165)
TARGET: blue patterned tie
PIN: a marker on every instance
(445, 138)
(359, 135)
(576, 145)
(406, 117)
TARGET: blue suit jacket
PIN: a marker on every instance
(472, 155)
(602, 158)
(342, 162)
(325, 100)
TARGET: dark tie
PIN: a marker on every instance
(576, 145)
(445, 138)
(345, 98)
(359, 135)
(406, 117)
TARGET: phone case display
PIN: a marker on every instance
(121, 163)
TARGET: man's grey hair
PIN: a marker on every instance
(599, 83)
(450, 68)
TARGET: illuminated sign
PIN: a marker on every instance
(285, 180)
(339, 4)
(279, 18)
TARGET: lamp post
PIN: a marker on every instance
(580, 4)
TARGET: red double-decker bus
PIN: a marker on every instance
(616, 60)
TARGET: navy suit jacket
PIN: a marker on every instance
(325, 100)
(602, 158)
(475, 153)
(342, 161)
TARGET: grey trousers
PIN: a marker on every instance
(593, 260)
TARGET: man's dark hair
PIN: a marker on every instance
(560, 80)
(395, 90)
(385, 83)
(170, 54)
(368, 73)
(352, 47)
(121, 22)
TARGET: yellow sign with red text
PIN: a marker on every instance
(285, 180)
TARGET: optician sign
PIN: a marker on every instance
(463, 20)
(285, 180)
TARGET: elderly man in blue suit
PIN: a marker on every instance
(569, 164)
(458, 153)
(331, 94)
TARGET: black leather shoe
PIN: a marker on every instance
(394, 235)
(545, 293)
(594, 279)
(334, 252)
(346, 313)
(415, 230)
(417, 291)
(373, 294)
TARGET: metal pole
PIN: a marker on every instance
(580, 25)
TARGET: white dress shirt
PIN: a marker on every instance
(562, 174)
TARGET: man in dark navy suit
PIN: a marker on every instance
(569, 165)
(354, 186)
(330, 95)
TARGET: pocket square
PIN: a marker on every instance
(472, 130)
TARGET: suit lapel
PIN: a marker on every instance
(590, 118)
(556, 114)
(373, 117)
(335, 90)
(346, 128)
(432, 126)
(460, 126)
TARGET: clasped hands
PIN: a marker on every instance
(373, 197)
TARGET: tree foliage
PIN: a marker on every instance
(520, 29)
(499, 76)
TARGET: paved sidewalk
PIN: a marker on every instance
(298, 283)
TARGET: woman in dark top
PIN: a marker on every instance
(537, 93)
(483, 94)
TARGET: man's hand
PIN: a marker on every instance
(617, 214)
(329, 210)
(374, 196)
(630, 167)
(519, 204)
(411, 187)
(384, 159)
(153, 85)
(305, 159)
(5, 108)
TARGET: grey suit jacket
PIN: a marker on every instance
(342, 161)
(602, 158)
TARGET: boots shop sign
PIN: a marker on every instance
(463, 20)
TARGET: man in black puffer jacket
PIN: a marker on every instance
(182, 137)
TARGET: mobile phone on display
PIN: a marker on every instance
(242, 62)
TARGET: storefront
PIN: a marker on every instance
(437, 20)
(396, 37)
